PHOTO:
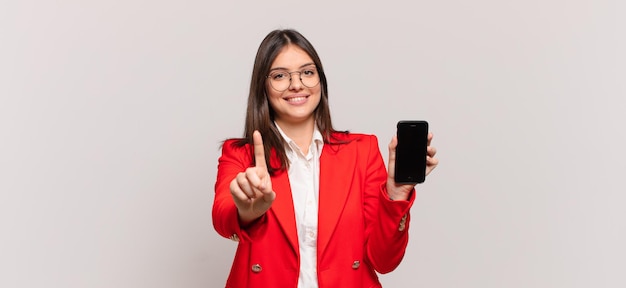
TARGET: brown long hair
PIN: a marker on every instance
(260, 115)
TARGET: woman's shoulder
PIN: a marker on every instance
(238, 142)
(350, 136)
(234, 143)
(237, 146)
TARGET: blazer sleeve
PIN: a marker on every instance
(225, 216)
(387, 220)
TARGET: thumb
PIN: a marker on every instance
(391, 167)
(269, 197)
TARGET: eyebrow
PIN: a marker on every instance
(283, 68)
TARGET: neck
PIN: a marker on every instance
(301, 133)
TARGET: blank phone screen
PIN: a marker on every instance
(411, 152)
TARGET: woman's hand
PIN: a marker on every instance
(402, 191)
(252, 189)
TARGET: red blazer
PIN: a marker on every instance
(360, 230)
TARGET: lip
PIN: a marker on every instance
(296, 99)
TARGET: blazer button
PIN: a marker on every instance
(256, 268)
(356, 264)
(402, 225)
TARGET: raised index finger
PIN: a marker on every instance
(259, 150)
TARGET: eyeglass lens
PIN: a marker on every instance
(281, 80)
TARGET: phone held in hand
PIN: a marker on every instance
(410, 167)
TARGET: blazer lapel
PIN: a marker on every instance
(283, 208)
(336, 174)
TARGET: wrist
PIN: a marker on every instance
(246, 220)
(397, 196)
(395, 193)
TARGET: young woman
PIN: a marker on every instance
(308, 205)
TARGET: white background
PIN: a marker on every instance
(112, 114)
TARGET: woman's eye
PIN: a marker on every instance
(279, 76)
(308, 72)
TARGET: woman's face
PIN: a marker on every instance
(296, 104)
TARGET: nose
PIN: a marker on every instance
(295, 83)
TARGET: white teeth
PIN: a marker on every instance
(296, 99)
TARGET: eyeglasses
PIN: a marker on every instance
(280, 80)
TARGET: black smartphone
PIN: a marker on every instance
(410, 165)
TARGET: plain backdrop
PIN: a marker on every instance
(112, 114)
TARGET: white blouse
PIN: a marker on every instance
(304, 175)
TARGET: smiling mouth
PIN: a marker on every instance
(296, 99)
